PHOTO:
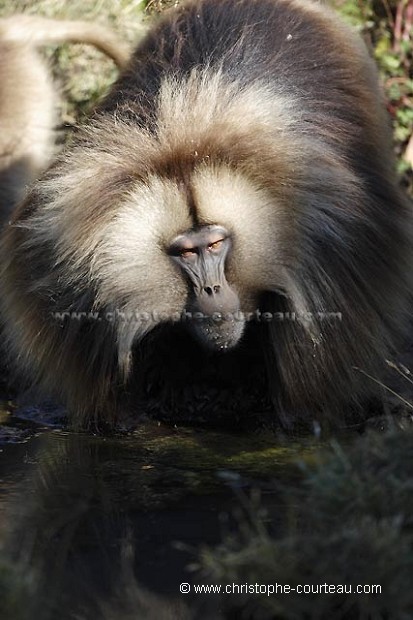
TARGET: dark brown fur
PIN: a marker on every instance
(265, 117)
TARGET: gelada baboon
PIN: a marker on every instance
(27, 98)
(240, 167)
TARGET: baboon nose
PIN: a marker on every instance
(210, 290)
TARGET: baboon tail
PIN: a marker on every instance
(36, 31)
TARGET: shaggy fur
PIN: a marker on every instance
(27, 98)
(265, 117)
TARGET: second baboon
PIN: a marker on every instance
(28, 97)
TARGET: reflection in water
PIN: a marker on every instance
(89, 524)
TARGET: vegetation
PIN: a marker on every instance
(350, 524)
(387, 26)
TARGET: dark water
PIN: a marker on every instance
(108, 527)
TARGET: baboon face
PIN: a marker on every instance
(201, 256)
(185, 248)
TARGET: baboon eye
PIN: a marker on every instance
(187, 253)
(216, 245)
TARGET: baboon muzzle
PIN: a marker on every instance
(202, 256)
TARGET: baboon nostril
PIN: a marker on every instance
(210, 290)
